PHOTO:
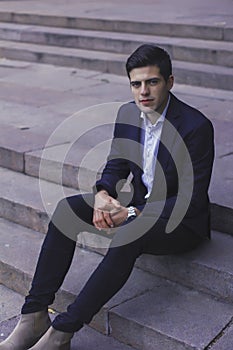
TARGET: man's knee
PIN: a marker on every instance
(72, 204)
(73, 214)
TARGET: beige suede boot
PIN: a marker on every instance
(28, 331)
(54, 340)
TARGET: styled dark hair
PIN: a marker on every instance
(150, 55)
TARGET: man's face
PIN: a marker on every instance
(149, 88)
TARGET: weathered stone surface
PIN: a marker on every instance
(215, 14)
(199, 74)
(205, 75)
(10, 304)
(19, 93)
(209, 31)
(192, 50)
(77, 166)
(202, 269)
(51, 78)
(225, 342)
(7, 326)
(14, 142)
(228, 33)
(88, 338)
(199, 96)
(221, 218)
(171, 317)
(27, 201)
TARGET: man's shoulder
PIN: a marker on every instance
(189, 114)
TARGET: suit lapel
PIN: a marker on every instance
(136, 134)
(170, 128)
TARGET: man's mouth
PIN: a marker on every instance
(146, 100)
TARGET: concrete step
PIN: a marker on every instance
(204, 269)
(220, 31)
(22, 200)
(148, 313)
(10, 306)
(197, 74)
(177, 319)
(190, 50)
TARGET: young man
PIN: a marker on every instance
(167, 147)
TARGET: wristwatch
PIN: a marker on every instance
(131, 213)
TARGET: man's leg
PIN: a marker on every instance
(108, 278)
(54, 261)
(57, 251)
(116, 266)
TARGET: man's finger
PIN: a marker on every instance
(99, 220)
(108, 219)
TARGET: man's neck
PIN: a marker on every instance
(153, 117)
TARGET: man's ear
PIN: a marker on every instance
(170, 82)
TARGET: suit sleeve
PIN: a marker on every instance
(117, 167)
(200, 144)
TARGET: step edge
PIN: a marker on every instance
(17, 16)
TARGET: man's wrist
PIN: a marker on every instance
(131, 212)
(103, 191)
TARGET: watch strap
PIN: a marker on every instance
(131, 212)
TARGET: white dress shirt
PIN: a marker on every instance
(151, 147)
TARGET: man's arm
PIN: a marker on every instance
(108, 212)
(117, 166)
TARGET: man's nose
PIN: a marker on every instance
(144, 89)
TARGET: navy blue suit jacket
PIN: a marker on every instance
(183, 167)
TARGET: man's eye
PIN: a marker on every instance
(135, 84)
(153, 82)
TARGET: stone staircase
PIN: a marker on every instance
(202, 55)
(172, 302)
(169, 303)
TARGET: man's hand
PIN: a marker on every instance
(104, 204)
(108, 212)
(119, 216)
